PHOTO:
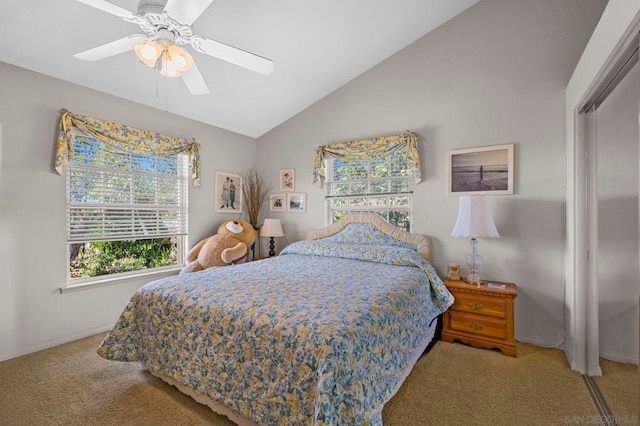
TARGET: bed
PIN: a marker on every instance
(325, 333)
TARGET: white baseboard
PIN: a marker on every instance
(56, 342)
(625, 359)
(541, 342)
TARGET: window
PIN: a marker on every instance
(381, 185)
(125, 212)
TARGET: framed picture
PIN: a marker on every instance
(287, 179)
(486, 170)
(227, 192)
(277, 202)
(297, 202)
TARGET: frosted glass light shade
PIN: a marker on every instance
(149, 52)
(272, 228)
(474, 218)
(174, 60)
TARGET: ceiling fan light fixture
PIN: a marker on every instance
(182, 60)
(175, 61)
(168, 68)
(149, 52)
(166, 23)
(179, 61)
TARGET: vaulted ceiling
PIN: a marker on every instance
(316, 47)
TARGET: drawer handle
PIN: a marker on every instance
(476, 306)
(476, 326)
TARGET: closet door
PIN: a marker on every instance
(617, 186)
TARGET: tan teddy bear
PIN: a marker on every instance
(231, 243)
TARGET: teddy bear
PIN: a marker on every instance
(231, 243)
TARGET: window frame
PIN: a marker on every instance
(181, 177)
(330, 181)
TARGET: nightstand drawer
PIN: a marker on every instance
(478, 304)
(478, 325)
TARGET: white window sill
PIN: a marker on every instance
(103, 281)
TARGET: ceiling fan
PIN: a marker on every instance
(167, 26)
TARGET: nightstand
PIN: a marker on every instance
(481, 316)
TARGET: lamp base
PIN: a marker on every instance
(473, 262)
(272, 246)
(473, 279)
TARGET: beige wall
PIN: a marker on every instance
(494, 74)
(33, 314)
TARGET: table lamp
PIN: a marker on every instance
(474, 221)
(272, 228)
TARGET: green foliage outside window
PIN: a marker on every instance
(110, 257)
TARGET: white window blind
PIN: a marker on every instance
(382, 185)
(115, 196)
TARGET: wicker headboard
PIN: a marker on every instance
(421, 242)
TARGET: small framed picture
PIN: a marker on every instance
(287, 179)
(297, 202)
(227, 192)
(277, 202)
(485, 170)
(453, 272)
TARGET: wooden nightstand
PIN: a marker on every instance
(481, 316)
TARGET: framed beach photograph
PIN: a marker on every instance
(485, 170)
(297, 202)
(278, 202)
(227, 192)
(287, 179)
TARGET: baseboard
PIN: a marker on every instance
(540, 342)
(625, 359)
(56, 342)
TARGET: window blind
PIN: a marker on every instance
(114, 196)
(381, 185)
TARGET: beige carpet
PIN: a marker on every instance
(452, 385)
(620, 386)
(471, 386)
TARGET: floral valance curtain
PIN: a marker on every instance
(123, 138)
(367, 149)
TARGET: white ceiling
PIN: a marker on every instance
(316, 46)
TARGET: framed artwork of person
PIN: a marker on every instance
(227, 192)
(486, 170)
(287, 179)
(278, 202)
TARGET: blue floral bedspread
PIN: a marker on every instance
(316, 336)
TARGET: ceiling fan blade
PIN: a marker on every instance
(109, 8)
(186, 11)
(232, 54)
(113, 48)
(194, 81)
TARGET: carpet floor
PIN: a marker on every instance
(619, 384)
(453, 384)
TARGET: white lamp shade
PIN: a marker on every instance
(474, 218)
(272, 228)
